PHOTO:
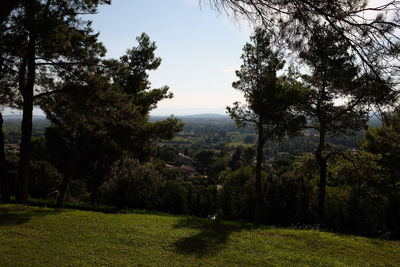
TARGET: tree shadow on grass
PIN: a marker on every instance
(19, 214)
(211, 237)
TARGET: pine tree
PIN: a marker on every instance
(111, 109)
(50, 42)
(340, 94)
(271, 100)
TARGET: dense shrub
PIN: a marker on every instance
(288, 200)
(44, 179)
(12, 160)
(131, 184)
(77, 191)
(174, 198)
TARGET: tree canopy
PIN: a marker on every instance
(271, 100)
(369, 29)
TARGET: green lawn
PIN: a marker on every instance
(31, 236)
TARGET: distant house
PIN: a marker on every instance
(183, 160)
(270, 159)
(170, 167)
(13, 148)
(283, 154)
(174, 143)
(188, 170)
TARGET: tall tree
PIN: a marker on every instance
(271, 100)
(111, 108)
(7, 6)
(130, 75)
(340, 95)
(384, 142)
(51, 42)
(7, 99)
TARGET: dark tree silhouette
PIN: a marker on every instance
(6, 7)
(112, 107)
(7, 99)
(368, 30)
(270, 100)
(340, 95)
(50, 42)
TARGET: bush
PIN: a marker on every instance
(237, 196)
(287, 199)
(174, 198)
(131, 184)
(44, 179)
(77, 191)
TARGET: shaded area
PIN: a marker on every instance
(15, 215)
(210, 239)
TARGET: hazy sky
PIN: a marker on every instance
(200, 49)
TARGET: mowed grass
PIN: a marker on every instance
(31, 236)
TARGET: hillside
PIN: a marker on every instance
(31, 236)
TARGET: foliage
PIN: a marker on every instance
(174, 198)
(203, 200)
(271, 101)
(45, 43)
(289, 199)
(131, 184)
(383, 142)
(45, 179)
(237, 195)
(205, 157)
(108, 116)
(340, 93)
(367, 27)
(168, 154)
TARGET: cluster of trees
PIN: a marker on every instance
(98, 109)
(279, 106)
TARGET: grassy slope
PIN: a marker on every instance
(39, 236)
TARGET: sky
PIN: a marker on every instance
(200, 49)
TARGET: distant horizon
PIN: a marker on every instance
(156, 112)
(187, 111)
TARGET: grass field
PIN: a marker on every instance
(31, 236)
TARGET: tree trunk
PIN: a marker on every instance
(67, 177)
(25, 148)
(63, 190)
(322, 177)
(5, 191)
(260, 145)
(26, 126)
(65, 182)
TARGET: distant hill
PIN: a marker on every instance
(207, 117)
(19, 117)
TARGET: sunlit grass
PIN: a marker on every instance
(31, 236)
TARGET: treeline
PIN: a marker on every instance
(12, 129)
(362, 186)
